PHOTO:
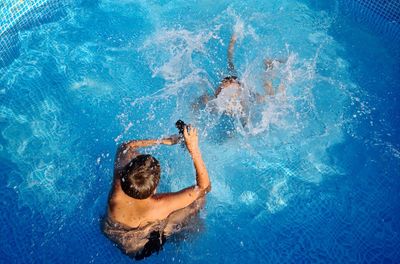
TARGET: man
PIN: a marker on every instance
(231, 98)
(139, 219)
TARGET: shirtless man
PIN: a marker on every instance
(139, 219)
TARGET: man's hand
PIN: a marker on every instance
(171, 140)
(191, 138)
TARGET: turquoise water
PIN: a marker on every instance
(313, 177)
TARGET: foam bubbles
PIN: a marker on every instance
(294, 128)
(279, 196)
(248, 197)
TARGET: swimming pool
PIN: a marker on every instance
(311, 179)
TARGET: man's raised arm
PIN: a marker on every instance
(170, 202)
(128, 150)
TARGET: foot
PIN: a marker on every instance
(269, 64)
(233, 38)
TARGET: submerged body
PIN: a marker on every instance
(232, 98)
(145, 239)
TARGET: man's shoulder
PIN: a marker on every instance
(123, 156)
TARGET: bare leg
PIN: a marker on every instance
(282, 89)
(231, 66)
(269, 64)
(269, 90)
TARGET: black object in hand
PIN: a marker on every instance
(180, 125)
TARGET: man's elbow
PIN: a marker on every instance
(206, 188)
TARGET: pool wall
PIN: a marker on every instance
(19, 15)
(13, 11)
(382, 16)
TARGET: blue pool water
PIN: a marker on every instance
(313, 178)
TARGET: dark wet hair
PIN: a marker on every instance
(230, 78)
(140, 177)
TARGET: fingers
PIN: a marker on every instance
(192, 131)
(189, 131)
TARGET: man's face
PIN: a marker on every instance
(231, 83)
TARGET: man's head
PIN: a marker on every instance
(230, 81)
(140, 177)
